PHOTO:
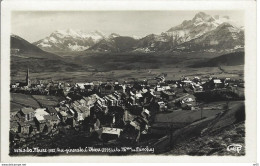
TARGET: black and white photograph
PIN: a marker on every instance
(127, 83)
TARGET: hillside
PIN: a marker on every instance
(20, 46)
(115, 44)
(152, 43)
(224, 37)
(210, 136)
(231, 59)
(26, 55)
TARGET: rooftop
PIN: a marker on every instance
(24, 123)
(26, 110)
(41, 112)
(48, 117)
(77, 109)
(146, 111)
(217, 81)
(168, 93)
(139, 95)
(63, 113)
(52, 110)
(14, 124)
(40, 118)
(109, 130)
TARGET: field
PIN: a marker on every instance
(121, 66)
(189, 116)
(47, 100)
(173, 73)
(186, 116)
(210, 136)
(19, 100)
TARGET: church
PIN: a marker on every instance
(27, 80)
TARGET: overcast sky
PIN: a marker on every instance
(34, 26)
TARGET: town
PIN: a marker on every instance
(130, 113)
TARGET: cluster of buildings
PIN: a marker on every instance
(110, 109)
(29, 122)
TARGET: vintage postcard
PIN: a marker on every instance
(127, 81)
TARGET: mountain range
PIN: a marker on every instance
(193, 43)
(23, 48)
(69, 40)
(202, 33)
(25, 54)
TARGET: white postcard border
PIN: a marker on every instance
(249, 7)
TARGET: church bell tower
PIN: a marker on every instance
(28, 81)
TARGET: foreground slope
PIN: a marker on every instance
(210, 136)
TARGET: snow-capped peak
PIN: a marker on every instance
(95, 35)
(113, 35)
(201, 16)
(136, 37)
(70, 40)
(196, 27)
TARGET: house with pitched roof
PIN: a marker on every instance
(63, 116)
(39, 118)
(106, 89)
(52, 111)
(109, 132)
(24, 127)
(14, 126)
(26, 114)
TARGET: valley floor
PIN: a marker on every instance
(173, 73)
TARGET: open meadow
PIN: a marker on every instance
(173, 73)
(19, 101)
